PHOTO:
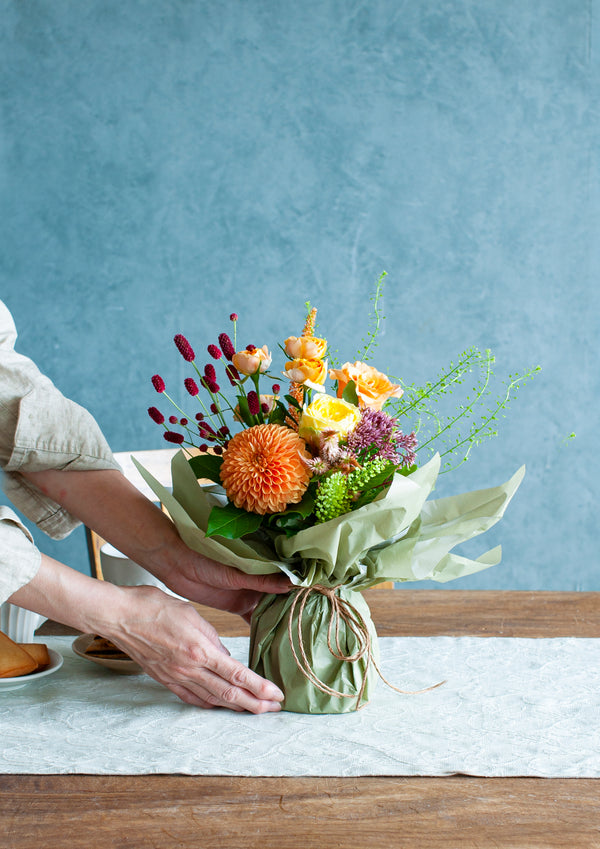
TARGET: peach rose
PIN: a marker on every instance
(372, 387)
(250, 360)
(309, 371)
(305, 347)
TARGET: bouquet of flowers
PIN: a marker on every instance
(325, 486)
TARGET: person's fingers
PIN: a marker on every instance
(227, 577)
(205, 689)
(190, 698)
(238, 676)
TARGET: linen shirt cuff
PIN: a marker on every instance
(19, 557)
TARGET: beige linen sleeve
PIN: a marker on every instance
(19, 558)
(41, 429)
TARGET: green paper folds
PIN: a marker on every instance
(398, 537)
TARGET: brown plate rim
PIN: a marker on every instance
(80, 644)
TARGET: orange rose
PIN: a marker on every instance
(305, 347)
(372, 387)
(248, 361)
(309, 371)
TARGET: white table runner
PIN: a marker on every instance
(510, 707)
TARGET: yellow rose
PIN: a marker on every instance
(327, 413)
(306, 371)
(249, 361)
(305, 347)
(372, 387)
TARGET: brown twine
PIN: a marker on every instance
(341, 611)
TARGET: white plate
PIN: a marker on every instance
(56, 661)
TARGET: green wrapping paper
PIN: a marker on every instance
(274, 656)
(398, 537)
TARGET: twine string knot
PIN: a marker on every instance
(342, 611)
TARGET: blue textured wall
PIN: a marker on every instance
(164, 162)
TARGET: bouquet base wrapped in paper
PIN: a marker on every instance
(318, 641)
(319, 645)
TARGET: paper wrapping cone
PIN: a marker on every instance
(398, 537)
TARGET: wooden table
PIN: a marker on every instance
(176, 812)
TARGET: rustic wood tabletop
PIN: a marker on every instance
(174, 811)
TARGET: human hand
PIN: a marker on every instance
(182, 651)
(207, 582)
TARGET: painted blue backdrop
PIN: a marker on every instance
(166, 162)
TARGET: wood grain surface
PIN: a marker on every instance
(301, 813)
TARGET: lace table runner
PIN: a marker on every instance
(510, 707)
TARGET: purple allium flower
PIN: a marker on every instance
(183, 422)
(377, 434)
(191, 386)
(214, 352)
(209, 372)
(173, 419)
(203, 447)
(158, 383)
(233, 316)
(276, 389)
(217, 449)
(233, 374)
(407, 443)
(171, 436)
(223, 431)
(156, 415)
(213, 387)
(251, 347)
(253, 403)
(213, 408)
(226, 346)
(265, 408)
(199, 417)
(184, 348)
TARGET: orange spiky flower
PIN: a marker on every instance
(296, 390)
(309, 324)
(264, 469)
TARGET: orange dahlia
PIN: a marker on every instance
(263, 469)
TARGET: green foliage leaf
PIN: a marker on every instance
(292, 402)
(206, 466)
(294, 518)
(231, 522)
(375, 485)
(349, 394)
(245, 413)
(278, 414)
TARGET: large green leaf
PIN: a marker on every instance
(231, 522)
(206, 466)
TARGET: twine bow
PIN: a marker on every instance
(341, 611)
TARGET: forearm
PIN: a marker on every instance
(109, 504)
(66, 596)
